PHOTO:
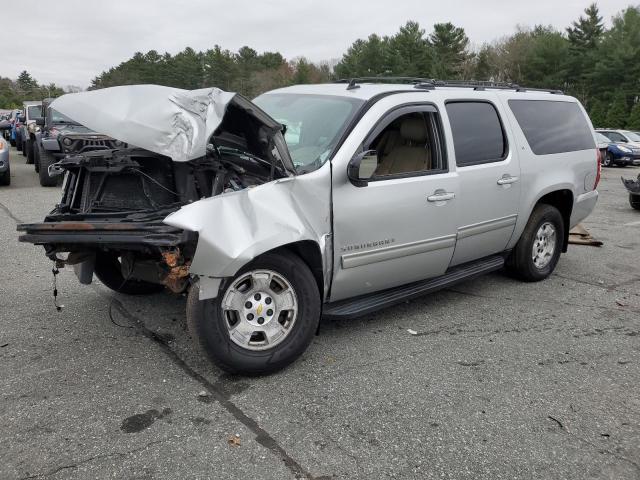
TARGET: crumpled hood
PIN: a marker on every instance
(169, 121)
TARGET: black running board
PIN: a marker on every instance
(358, 306)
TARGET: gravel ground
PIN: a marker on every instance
(504, 379)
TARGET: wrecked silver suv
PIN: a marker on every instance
(339, 200)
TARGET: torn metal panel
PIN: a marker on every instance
(234, 228)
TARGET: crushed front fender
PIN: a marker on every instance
(234, 228)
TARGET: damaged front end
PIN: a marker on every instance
(190, 146)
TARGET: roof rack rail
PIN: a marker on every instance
(431, 83)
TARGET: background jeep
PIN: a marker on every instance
(60, 136)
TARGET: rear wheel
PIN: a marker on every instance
(536, 254)
(262, 320)
(25, 147)
(634, 201)
(109, 272)
(19, 143)
(44, 161)
(30, 148)
(5, 178)
(36, 158)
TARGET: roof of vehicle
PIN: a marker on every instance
(31, 103)
(366, 90)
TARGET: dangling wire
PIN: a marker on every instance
(55, 272)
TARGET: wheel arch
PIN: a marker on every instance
(311, 254)
(562, 199)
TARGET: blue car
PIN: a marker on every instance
(616, 152)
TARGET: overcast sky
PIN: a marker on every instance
(71, 41)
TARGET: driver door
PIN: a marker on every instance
(400, 225)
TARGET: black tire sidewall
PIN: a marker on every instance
(44, 161)
(208, 325)
(523, 264)
(107, 269)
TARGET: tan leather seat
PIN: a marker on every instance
(411, 153)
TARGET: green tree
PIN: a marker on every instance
(633, 122)
(409, 52)
(618, 112)
(449, 46)
(598, 113)
(365, 58)
(586, 31)
(26, 83)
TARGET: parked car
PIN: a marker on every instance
(384, 193)
(617, 154)
(29, 128)
(5, 167)
(60, 136)
(16, 129)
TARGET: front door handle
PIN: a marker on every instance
(507, 179)
(441, 196)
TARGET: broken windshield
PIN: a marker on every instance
(314, 124)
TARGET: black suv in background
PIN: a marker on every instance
(61, 136)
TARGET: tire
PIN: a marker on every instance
(45, 159)
(30, 147)
(36, 157)
(5, 178)
(210, 326)
(12, 142)
(521, 262)
(634, 201)
(607, 161)
(19, 143)
(109, 272)
(26, 145)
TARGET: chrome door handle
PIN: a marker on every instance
(507, 179)
(441, 196)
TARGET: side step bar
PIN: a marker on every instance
(358, 306)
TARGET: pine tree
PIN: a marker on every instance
(26, 83)
(449, 50)
(598, 114)
(618, 112)
(633, 122)
(586, 31)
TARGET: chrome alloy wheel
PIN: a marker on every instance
(259, 308)
(544, 245)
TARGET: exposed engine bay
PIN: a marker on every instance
(110, 218)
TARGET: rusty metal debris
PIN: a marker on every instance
(178, 275)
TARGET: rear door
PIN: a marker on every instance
(489, 174)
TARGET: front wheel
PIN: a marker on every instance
(536, 254)
(262, 320)
(634, 201)
(45, 159)
(19, 144)
(5, 177)
(607, 161)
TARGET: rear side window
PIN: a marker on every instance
(478, 136)
(553, 127)
(614, 136)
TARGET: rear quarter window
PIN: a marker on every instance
(553, 127)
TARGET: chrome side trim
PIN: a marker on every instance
(487, 226)
(351, 260)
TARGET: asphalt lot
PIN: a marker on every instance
(504, 379)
